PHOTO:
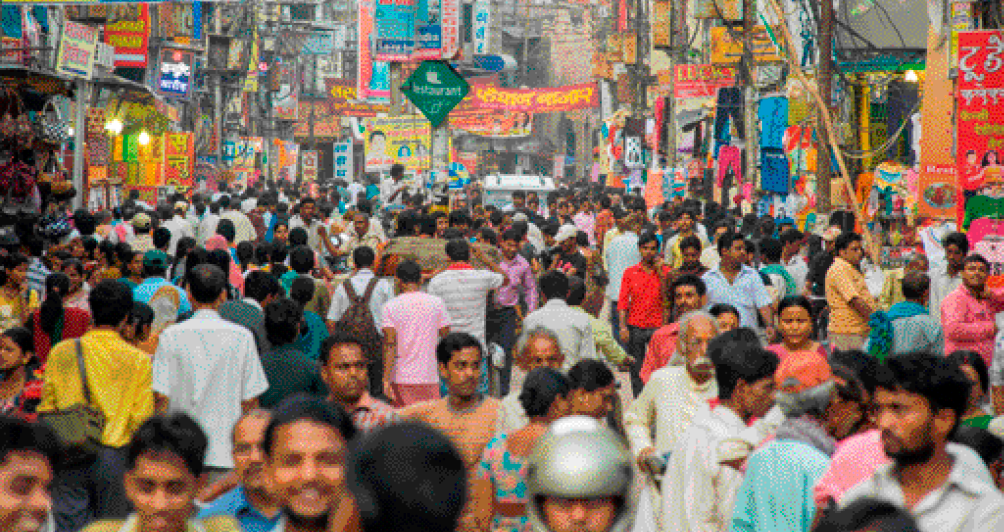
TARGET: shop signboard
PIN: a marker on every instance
(701, 81)
(481, 32)
(394, 22)
(130, 36)
(284, 102)
(938, 190)
(77, 50)
(548, 100)
(373, 77)
(176, 73)
(980, 100)
(310, 163)
(726, 50)
(179, 159)
(405, 140)
(428, 30)
(451, 11)
(343, 163)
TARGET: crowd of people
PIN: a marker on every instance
(367, 359)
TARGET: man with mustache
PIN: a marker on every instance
(344, 371)
(918, 403)
(251, 502)
(668, 403)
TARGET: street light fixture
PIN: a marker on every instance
(114, 126)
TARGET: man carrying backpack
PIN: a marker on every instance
(357, 307)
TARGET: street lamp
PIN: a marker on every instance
(144, 138)
(114, 126)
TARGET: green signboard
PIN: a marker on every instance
(435, 89)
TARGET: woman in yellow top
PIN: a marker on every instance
(16, 301)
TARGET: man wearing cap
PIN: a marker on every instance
(784, 472)
(155, 265)
(566, 257)
(178, 226)
(143, 225)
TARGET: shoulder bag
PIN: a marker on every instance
(80, 426)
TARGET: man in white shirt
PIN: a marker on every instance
(355, 188)
(698, 489)
(792, 259)
(668, 402)
(208, 367)
(945, 279)
(465, 289)
(392, 190)
(245, 231)
(572, 327)
(207, 227)
(179, 227)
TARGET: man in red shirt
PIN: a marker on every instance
(640, 304)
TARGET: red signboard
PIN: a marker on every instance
(701, 81)
(980, 124)
(130, 36)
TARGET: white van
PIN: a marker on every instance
(497, 189)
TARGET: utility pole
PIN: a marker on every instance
(824, 175)
(749, 95)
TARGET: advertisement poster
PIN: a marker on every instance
(492, 123)
(343, 163)
(428, 30)
(567, 98)
(702, 81)
(451, 27)
(394, 22)
(130, 36)
(373, 79)
(727, 51)
(284, 156)
(405, 140)
(938, 190)
(310, 164)
(980, 130)
(77, 50)
(284, 102)
(176, 73)
(179, 158)
(481, 33)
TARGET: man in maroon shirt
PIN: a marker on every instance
(640, 304)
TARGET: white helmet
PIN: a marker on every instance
(579, 459)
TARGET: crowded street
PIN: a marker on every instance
(501, 266)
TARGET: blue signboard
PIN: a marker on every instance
(395, 30)
(176, 73)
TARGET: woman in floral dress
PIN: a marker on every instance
(504, 461)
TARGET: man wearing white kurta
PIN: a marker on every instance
(668, 403)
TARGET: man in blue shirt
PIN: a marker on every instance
(155, 264)
(250, 502)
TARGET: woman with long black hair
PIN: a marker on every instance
(53, 322)
(20, 384)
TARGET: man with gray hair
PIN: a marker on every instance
(668, 402)
(537, 347)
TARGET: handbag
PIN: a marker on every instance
(52, 127)
(80, 426)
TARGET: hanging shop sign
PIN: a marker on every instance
(394, 22)
(343, 100)
(130, 36)
(548, 100)
(176, 73)
(481, 33)
(938, 190)
(77, 50)
(284, 102)
(310, 164)
(451, 14)
(373, 77)
(980, 95)
(342, 161)
(492, 123)
(725, 50)
(179, 159)
(701, 81)
(318, 43)
(428, 30)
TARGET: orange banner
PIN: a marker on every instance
(179, 158)
(549, 100)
